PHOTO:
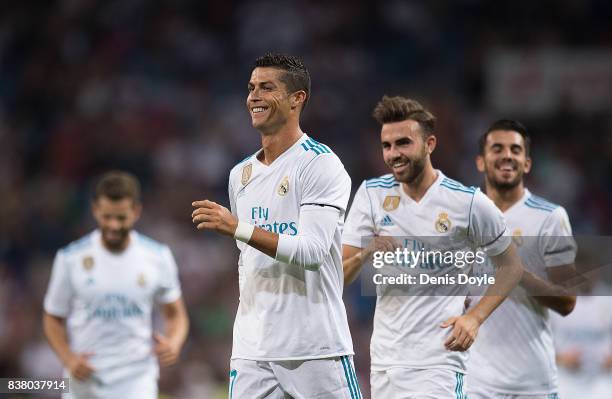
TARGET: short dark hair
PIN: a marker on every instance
(295, 76)
(117, 185)
(398, 109)
(510, 125)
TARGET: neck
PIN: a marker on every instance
(119, 248)
(419, 186)
(504, 199)
(274, 144)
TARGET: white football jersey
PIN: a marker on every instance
(108, 298)
(450, 216)
(587, 330)
(288, 312)
(514, 352)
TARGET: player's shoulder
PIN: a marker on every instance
(244, 162)
(311, 148)
(311, 152)
(456, 188)
(78, 246)
(317, 158)
(540, 210)
(541, 205)
(242, 170)
(377, 188)
(150, 245)
(381, 183)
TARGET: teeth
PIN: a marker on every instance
(258, 109)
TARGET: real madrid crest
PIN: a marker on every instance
(246, 173)
(142, 282)
(88, 263)
(443, 223)
(283, 189)
(391, 202)
(517, 237)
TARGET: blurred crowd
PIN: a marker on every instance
(158, 88)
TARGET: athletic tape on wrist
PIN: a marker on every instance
(244, 231)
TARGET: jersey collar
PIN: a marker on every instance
(278, 160)
(525, 197)
(430, 191)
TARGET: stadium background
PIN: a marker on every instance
(158, 88)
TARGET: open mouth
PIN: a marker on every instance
(507, 167)
(399, 166)
(258, 110)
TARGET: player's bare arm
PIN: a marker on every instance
(176, 324)
(554, 294)
(509, 271)
(77, 363)
(354, 257)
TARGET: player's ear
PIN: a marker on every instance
(297, 98)
(430, 142)
(137, 210)
(480, 164)
(95, 209)
(527, 165)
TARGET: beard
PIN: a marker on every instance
(118, 242)
(413, 172)
(414, 169)
(503, 184)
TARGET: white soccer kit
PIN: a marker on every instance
(588, 331)
(108, 299)
(288, 311)
(514, 352)
(407, 331)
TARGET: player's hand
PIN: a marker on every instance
(607, 364)
(465, 329)
(209, 215)
(79, 366)
(570, 360)
(380, 243)
(166, 351)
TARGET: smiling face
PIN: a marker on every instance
(405, 149)
(504, 160)
(269, 103)
(115, 219)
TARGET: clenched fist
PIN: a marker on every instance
(209, 215)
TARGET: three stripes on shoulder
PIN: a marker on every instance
(315, 146)
(386, 181)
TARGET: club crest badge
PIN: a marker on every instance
(246, 173)
(142, 282)
(283, 188)
(443, 223)
(88, 263)
(391, 203)
(517, 237)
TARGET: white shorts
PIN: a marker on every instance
(141, 387)
(332, 378)
(479, 392)
(410, 383)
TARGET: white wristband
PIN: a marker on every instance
(244, 231)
